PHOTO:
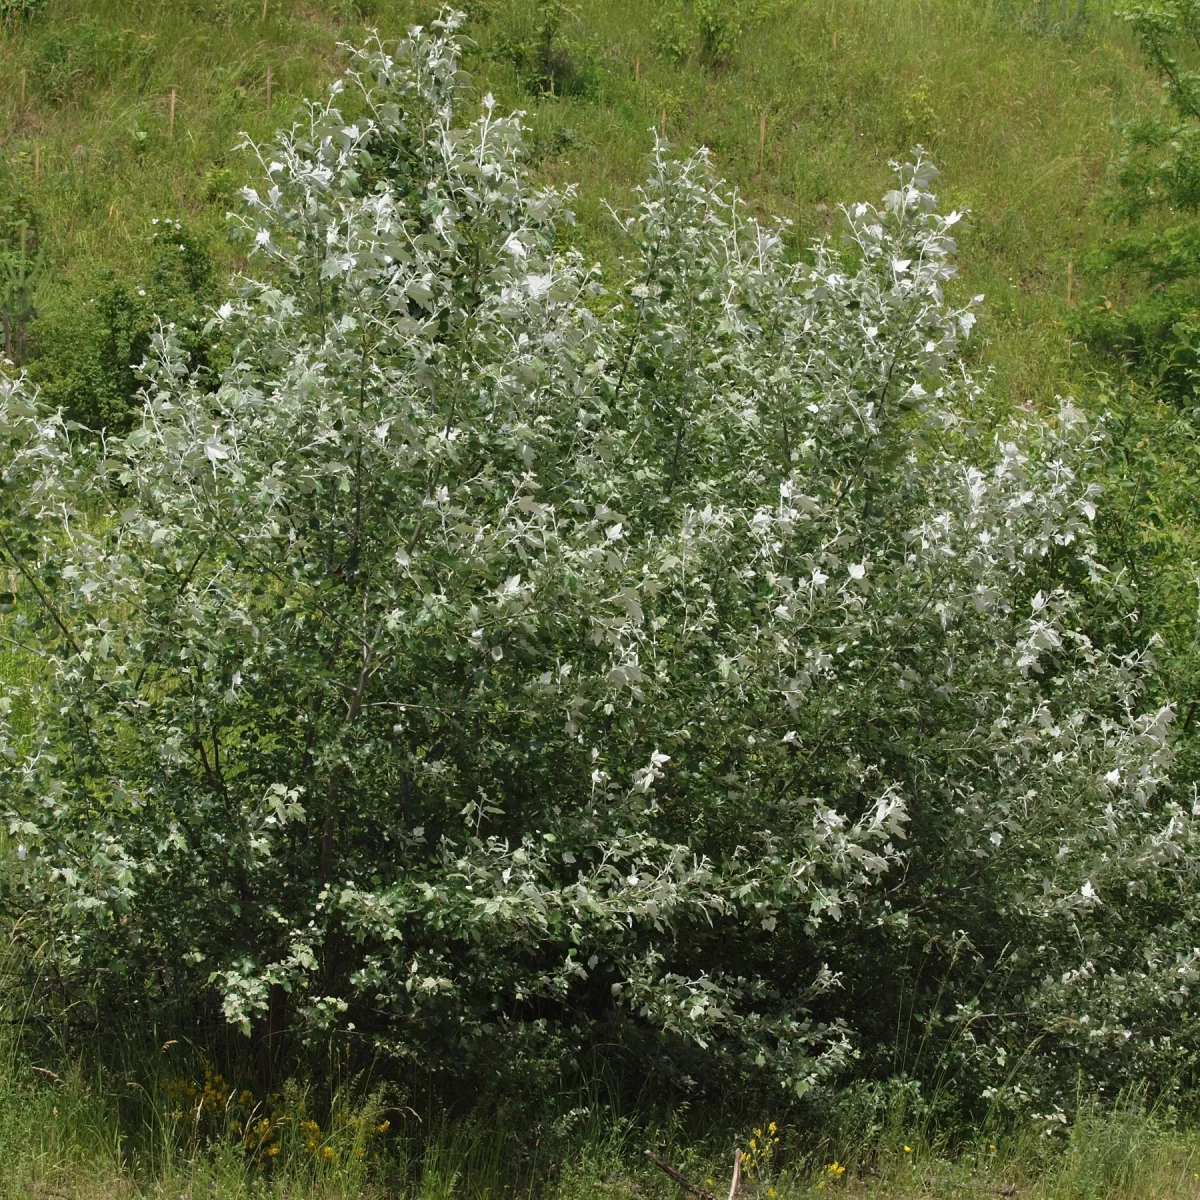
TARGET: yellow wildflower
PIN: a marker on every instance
(328, 1153)
(272, 1149)
(836, 1170)
(907, 1149)
(383, 1126)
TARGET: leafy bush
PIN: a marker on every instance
(544, 61)
(1159, 171)
(711, 28)
(496, 669)
(90, 339)
(20, 272)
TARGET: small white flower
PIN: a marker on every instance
(857, 570)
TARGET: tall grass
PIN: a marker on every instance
(72, 1133)
(130, 1116)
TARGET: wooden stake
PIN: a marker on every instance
(835, 43)
(264, 16)
(762, 141)
(22, 87)
(737, 1174)
(268, 87)
(171, 119)
(664, 123)
(37, 163)
(637, 70)
(1070, 283)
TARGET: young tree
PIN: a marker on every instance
(491, 666)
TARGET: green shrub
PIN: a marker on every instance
(1158, 172)
(20, 272)
(712, 29)
(720, 28)
(672, 33)
(91, 337)
(545, 61)
(497, 673)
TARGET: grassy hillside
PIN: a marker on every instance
(803, 107)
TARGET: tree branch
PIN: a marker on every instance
(683, 1182)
